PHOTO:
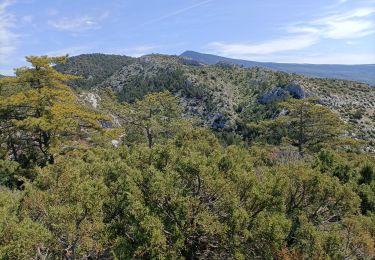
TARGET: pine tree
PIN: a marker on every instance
(306, 124)
(41, 115)
(154, 117)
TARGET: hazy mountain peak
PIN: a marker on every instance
(361, 73)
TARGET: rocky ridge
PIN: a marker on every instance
(219, 94)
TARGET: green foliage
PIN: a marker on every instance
(367, 188)
(155, 117)
(367, 174)
(20, 237)
(43, 114)
(187, 200)
(165, 79)
(172, 189)
(67, 199)
(305, 124)
(93, 69)
(8, 170)
(229, 90)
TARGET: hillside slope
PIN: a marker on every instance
(360, 73)
(93, 68)
(225, 97)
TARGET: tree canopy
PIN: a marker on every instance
(41, 115)
(171, 189)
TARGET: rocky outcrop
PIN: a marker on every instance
(190, 62)
(282, 92)
(296, 91)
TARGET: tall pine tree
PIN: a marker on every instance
(39, 114)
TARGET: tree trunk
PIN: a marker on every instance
(149, 137)
(300, 133)
(13, 149)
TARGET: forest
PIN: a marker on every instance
(139, 178)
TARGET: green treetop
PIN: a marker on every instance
(42, 113)
(154, 117)
(306, 124)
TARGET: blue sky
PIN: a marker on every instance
(302, 31)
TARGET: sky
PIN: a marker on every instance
(298, 31)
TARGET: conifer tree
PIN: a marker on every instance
(41, 113)
(155, 116)
(306, 124)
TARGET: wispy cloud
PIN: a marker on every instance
(347, 26)
(352, 42)
(176, 12)
(322, 58)
(7, 37)
(71, 51)
(78, 23)
(297, 42)
(136, 51)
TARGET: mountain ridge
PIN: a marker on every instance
(364, 73)
(222, 96)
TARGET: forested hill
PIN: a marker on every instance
(161, 157)
(93, 68)
(360, 73)
(224, 96)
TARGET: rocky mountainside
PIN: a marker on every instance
(360, 73)
(223, 96)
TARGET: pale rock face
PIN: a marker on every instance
(93, 99)
(283, 112)
(116, 121)
(115, 143)
(294, 90)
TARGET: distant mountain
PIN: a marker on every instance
(360, 73)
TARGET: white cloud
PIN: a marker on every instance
(349, 30)
(4, 4)
(347, 26)
(7, 37)
(315, 58)
(71, 51)
(77, 24)
(352, 42)
(350, 25)
(297, 42)
(136, 51)
(327, 58)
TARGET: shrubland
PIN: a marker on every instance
(287, 184)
